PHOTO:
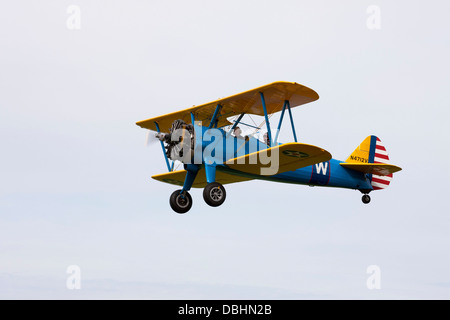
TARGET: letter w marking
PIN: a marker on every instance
(321, 168)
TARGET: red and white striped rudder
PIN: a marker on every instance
(381, 156)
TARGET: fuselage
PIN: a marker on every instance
(325, 174)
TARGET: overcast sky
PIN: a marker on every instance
(75, 172)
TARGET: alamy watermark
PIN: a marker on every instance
(73, 281)
(216, 146)
(73, 21)
(373, 21)
(374, 280)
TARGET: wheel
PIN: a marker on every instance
(180, 202)
(365, 199)
(214, 194)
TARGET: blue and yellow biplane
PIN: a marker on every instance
(206, 140)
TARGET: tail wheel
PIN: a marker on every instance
(180, 202)
(365, 199)
(214, 194)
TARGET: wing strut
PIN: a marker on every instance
(292, 119)
(279, 123)
(269, 133)
(285, 106)
(236, 122)
(163, 149)
(214, 117)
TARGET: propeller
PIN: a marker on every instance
(173, 149)
(151, 138)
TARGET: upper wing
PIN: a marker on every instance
(285, 157)
(381, 169)
(249, 102)
(177, 178)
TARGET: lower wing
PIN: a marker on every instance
(177, 178)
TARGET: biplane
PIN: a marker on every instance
(205, 139)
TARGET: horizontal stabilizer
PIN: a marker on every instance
(279, 159)
(380, 169)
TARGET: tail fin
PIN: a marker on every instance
(371, 150)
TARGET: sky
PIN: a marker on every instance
(76, 187)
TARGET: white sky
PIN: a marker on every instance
(76, 187)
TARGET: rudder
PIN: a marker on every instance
(372, 150)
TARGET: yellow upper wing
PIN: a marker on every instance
(278, 159)
(249, 102)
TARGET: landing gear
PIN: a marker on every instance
(365, 199)
(180, 202)
(214, 194)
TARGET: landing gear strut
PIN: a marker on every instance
(180, 201)
(214, 194)
(365, 199)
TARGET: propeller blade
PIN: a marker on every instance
(151, 138)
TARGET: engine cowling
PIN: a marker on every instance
(179, 142)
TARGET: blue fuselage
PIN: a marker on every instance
(325, 174)
(330, 173)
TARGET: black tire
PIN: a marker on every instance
(180, 202)
(365, 199)
(214, 194)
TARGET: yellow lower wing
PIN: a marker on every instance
(177, 178)
(278, 159)
(381, 169)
